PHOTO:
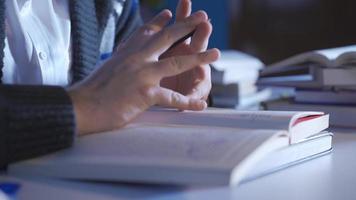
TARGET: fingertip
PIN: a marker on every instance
(200, 39)
(189, 2)
(218, 53)
(183, 9)
(205, 29)
(200, 15)
(209, 25)
(203, 14)
(205, 25)
(159, 21)
(204, 105)
(213, 54)
(183, 2)
(196, 104)
(166, 13)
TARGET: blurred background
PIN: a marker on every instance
(273, 29)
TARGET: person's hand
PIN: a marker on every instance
(195, 83)
(129, 82)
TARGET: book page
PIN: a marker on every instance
(334, 53)
(347, 59)
(220, 118)
(333, 57)
(307, 59)
(158, 154)
(163, 146)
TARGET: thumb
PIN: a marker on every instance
(169, 98)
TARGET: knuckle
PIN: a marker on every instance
(202, 57)
(134, 58)
(147, 92)
(147, 29)
(166, 35)
(144, 74)
(175, 63)
(189, 22)
(131, 58)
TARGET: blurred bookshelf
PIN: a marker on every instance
(273, 29)
(276, 29)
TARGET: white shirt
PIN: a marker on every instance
(37, 44)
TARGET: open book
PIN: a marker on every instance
(335, 57)
(316, 69)
(165, 146)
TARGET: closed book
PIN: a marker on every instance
(230, 95)
(340, 115)
(315, 77)
(312, 147)
(332, 97)
(235, 67)
(233, 89)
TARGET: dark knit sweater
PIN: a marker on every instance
(36, 120)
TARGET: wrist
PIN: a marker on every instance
(79, 111)
(91, 114)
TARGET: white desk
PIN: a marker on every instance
(330, 177)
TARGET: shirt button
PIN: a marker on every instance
(42, 55)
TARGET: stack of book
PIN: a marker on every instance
(234, 79)
(323, 80)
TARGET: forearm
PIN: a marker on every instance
(34, 120)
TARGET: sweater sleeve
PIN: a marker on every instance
(34, 120)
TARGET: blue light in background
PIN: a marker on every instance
(219, 14)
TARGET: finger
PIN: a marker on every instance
(157, 23)
(169, 98)
(148, 29)
(163, 40)
(200, 39)
(183, 10)
(202, 72)
(201, 90)
(203, 86)
(178, 64)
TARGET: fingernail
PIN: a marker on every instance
(199, 15)
(166, 13)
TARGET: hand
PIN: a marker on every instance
(195, 83)
(129, 82)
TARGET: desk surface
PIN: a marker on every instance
(329, 177)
